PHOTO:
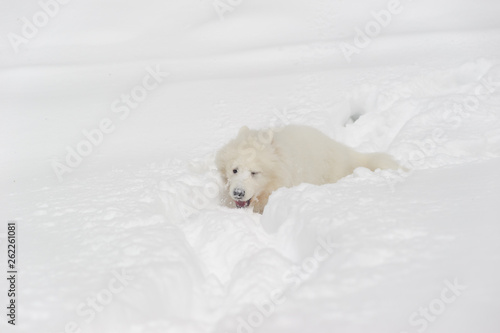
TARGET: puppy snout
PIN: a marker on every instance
(238, 193)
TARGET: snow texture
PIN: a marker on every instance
(111, 116)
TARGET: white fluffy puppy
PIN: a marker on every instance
(256, 163)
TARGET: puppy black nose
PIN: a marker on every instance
(238, 193)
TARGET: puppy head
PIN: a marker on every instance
(247, 165)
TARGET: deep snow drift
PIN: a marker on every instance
(111, 116)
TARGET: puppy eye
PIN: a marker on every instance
(235, 170)
(254, 173)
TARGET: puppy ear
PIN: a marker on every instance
(220, 161)
(272, 134)
(221, 166)
(243, 131)
(266, 137)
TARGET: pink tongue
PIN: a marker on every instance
(241, 204)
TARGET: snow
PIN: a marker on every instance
(131, 237)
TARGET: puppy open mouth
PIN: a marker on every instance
(242, 204)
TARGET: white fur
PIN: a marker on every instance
(287, 156)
